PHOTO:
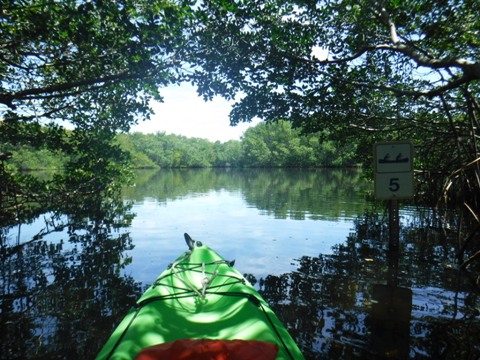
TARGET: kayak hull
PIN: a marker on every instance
(200, 296)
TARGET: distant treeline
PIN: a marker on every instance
(265, 145)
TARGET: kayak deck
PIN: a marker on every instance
(200, 296)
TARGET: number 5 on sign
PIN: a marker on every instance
(393, 170)
(393, 186)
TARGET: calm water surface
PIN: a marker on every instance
(262, 219)
(308, 239)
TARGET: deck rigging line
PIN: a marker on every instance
(206, 289)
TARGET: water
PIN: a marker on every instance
(309, 239)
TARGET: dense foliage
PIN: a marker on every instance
(264, 145)
(361, 71)
(278, 144)
(72, 74)
(89, 63)
(354, 71)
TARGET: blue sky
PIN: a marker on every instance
(183, 112)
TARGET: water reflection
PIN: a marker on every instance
(283, 193)
(61, 288)
(365, 302)
(276, 214)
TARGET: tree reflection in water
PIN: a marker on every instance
(63, 290)
(365, 302)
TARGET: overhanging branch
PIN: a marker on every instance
(8, 99)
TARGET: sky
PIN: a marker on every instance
(183, 112)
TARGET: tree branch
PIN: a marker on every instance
(471, 70)
(7, 99)
(385, 17)
(465, 65)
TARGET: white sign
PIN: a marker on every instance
(393, 170)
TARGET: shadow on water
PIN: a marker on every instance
(63, 286)
(61, 283)
(367, 302)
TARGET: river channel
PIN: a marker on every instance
(313, 241)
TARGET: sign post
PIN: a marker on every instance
(393, 179)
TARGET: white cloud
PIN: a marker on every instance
(183, 112)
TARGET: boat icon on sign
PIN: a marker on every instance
(399, 159)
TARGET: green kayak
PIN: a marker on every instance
(200, 301)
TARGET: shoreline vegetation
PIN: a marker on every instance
(76, 75)
(265, 145)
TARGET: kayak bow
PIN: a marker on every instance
(199, 296)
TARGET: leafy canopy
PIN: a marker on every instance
(335, 58)
(90, 63)
(359, 70)
(72, 74)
